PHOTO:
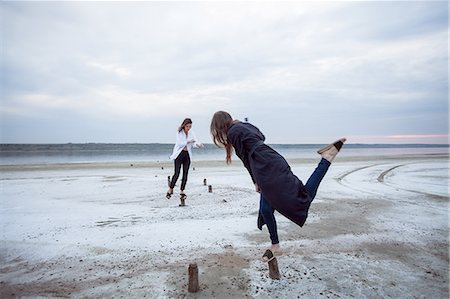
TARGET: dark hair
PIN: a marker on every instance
(220, 124)
(185, 122)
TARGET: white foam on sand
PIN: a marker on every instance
(115, 224)
(119, 210)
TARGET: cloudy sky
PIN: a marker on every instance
(303, 72)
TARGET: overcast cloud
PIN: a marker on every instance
(303, 72)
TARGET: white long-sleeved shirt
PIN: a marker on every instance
(182, 141)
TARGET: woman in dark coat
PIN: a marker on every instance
(280, 189)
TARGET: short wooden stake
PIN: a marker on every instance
(204, 182)
(193, 278)
(210, 188)
(274, 273)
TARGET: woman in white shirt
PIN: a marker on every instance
(182, 152)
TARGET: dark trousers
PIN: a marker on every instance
(316, 177)
(182, 159)
(266, 211)
(311, 187)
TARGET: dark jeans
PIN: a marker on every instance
(182, 159)
(316, 177)
(311, 187)
(266, 211)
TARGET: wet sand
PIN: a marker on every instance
(377, 228)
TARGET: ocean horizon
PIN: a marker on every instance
(53, 153)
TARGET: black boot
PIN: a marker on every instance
(182, 198)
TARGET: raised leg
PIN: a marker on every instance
(312, 185)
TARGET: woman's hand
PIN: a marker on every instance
(200, 145)
(257, 188)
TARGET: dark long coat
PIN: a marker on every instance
(282, 189)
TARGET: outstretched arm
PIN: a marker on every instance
(195, 141)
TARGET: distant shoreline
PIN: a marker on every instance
(155, 154)
(204, 163)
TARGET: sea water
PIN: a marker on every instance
(20, 154)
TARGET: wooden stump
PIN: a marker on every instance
(274, 273)
(193, 286)
(210, 188)
(204, 182)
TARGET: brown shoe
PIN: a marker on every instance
(330, 151)
(268, 256)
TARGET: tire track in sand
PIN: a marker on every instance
(340, 179)
(382, 179)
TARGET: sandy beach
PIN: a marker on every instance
(378, 228)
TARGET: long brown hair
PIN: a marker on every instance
(185, 122)
(220, 123)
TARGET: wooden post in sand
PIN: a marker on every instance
(193, 286)
(274, 273)
(210, 188)
(204, 182)
(168, 180)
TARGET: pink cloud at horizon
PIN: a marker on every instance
(399, 139)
